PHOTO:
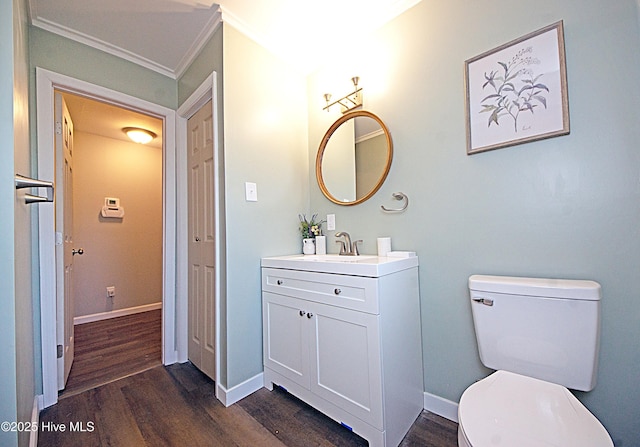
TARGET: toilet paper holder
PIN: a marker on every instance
(397, 196)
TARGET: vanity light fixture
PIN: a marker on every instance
(139, 135)
(349, 102)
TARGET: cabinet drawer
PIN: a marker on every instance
(349, 292)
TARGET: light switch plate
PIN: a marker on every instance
(331, 222)
(251, 192)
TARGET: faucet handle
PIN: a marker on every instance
(355, 247)
(343, 247)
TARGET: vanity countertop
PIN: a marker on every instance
(363, 265)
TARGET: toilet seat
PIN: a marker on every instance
(507, 409)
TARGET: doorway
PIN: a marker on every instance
(203, 100)
(116, 215)
(46, 83)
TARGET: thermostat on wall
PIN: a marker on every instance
(112, 208)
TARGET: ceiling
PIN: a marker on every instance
(102, 119)
(166, 35)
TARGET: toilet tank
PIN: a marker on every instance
(543, 328)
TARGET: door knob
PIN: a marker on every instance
(79, 251)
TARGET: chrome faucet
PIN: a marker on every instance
(347, 248)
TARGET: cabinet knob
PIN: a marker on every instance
(337, 291)
(309, 315)
(302, 312)
(279, 282)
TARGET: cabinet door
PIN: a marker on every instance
(286, 337)
(345, 361)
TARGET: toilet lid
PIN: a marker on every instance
(507, 409)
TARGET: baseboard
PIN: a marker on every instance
(38, 404)
(234, 394)
(441, 406)
(116, 313)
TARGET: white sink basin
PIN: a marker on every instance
(333, 258)
(363, 265)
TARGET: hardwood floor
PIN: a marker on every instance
(111, 349)
(176, 406)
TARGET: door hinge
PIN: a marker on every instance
(59, 351)
(58, 128)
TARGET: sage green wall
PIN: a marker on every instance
(262, 139)
(265, 133)
(566, 207)
(209, 60)
(18, 368)
(61, 55)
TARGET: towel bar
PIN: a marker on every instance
(26, 182)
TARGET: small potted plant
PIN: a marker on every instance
(309, 230)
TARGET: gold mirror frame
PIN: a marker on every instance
(323, 144)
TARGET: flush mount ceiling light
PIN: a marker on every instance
(138, 135)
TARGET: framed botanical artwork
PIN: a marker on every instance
(517, 92)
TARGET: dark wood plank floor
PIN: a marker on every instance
(176, 406)
(111, 349)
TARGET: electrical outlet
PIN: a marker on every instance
(111, 291)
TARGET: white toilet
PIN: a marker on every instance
(542, 335)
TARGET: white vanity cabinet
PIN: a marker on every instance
(349, 345)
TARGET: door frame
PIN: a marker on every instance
(46, 82)
(208, 90)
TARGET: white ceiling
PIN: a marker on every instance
(102, 119)
(157, 34)
(165, 35)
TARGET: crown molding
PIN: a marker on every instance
(248, 31)
(222, 15)
(114, 50)
(198, 44)
(240, 25)
(102, 45)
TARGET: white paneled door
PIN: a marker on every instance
(64, 238)
(200, 140)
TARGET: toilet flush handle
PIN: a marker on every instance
(485, 301)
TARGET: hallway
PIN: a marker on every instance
(115, 348)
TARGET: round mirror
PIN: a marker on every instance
(354, 158)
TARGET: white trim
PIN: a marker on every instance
(102, 45)
(441, 406)
(93, 42)
(208, 90)
(369, 135)
(46, 82)
(203, 38)
(230, 396)
(116, 313)
(35, 420)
